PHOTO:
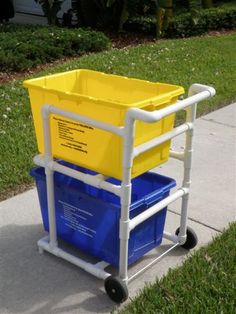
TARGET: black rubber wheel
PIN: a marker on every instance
(116, 289)
(191, 240)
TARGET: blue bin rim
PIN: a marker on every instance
(168, 183)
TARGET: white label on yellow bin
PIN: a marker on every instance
(69, 132)
(75, 218)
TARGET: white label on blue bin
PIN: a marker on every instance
(75, 217)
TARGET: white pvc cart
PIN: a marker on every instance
(116, 286)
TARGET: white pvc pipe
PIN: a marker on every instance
(197, 88)
(171, 237)
(188, 152)
(49, 181)
(39, 160)
(161, 139)
(126, 188)
(94, 269)
(151, 117)
(94, 180)
(87, 178)
(80, 118)
(156, 208)
(177, 155)
(186, 183)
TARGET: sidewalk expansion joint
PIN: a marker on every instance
(220, 123)
(196, 221)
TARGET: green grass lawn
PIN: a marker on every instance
(205, 283)
(206, 60)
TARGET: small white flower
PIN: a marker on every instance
(8, 109)
(4, 116)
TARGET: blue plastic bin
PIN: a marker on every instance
(88, 218)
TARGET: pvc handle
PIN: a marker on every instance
(197, 93)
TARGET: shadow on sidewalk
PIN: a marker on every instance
(34, 283)
(43, 284)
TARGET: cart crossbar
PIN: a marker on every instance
(48, 109)
(177, 155)
(94, 269)
(161, 139)
(97, 181)
(156, 208)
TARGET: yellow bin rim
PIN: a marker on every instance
(174, 90)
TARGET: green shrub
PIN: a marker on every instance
(183, 25)
(23, 47)
(208, 20)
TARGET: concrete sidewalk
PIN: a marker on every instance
(43, 284)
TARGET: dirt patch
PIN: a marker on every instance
(128, 39)
(9, 76)
(222, 32)
(8, 193)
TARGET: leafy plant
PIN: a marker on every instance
(108, 14)
(207, 4)
(164, 13)
(50, 9)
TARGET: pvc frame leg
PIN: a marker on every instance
(51, 208)
(188, 152)
(49, 177)
(126, 189)
(124, 233)
(123, 270)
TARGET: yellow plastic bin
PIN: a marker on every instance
(106, 98)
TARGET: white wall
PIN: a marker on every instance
(27, 6)
(31, 7)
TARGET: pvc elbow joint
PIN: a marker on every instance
(198, 88)
(46, 109)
